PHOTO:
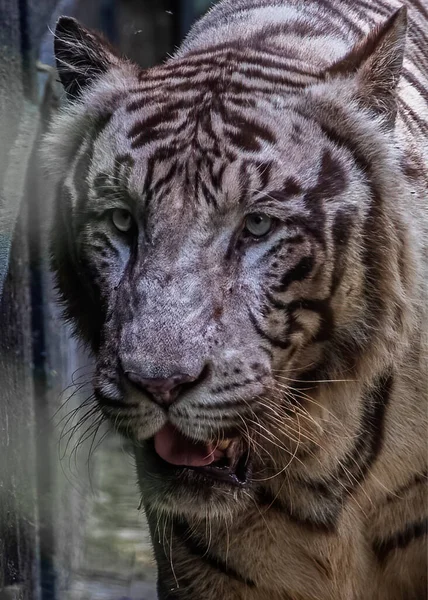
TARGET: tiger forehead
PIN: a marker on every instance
(207, 110)
(212, 125)
(169, 159)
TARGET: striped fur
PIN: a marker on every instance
(315, 335)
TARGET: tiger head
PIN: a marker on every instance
(224, 239)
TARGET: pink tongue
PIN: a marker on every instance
(176, 449)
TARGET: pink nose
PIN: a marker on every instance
(162, 391)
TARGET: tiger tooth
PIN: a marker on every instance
(223, 444)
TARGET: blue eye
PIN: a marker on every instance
(258, 224)
(122, 219)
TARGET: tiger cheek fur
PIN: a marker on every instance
(239, 236)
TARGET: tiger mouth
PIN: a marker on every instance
(233, 468)
(224, 460)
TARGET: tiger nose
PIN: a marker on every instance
(164, 391)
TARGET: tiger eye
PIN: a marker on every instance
(122, 219)
(258, 224)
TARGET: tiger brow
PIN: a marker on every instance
(107, 187)
(278, 196)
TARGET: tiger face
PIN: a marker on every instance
(211, 246)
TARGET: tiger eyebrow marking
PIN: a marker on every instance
(282, 195)
(110, 189)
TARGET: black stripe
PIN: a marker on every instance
(299, 272)
(308, 378)
(212, 82)
(102, 185)
(268, 352)
(217, 177)
(332, 180)
(246, 134)
(105, 241)
(376, 259)
(231, 386)
(224, 422)
(118, 405)
(376, 251)
(322, 308)
(291, 186)
(226, 54)
(368, 5)
(416, 49)
(292, 239)
(407, 119)
(329, 494)
(306, 224)
(319, 523)
(123, 164)
(178, 71)
(213, 19)
(422, 8)
(167, 114)
(159, 135)
(208, 195)
(342, 18)
(284, 344)
(80, 177)
(264, 170)
(161, 155)
(343, 142)
(416, 480)
(83, 166)
(163, 103)
(250, 406)
(318, 27)
(344, 221)
(417, 120)
(290, 189)
(244, 179)
(275, 302)
(354, 466)
(258, 73)
(337, 139)
(400, 540)
(166, 179)
(198, 548)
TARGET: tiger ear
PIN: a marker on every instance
(375, 63)
(82, 56)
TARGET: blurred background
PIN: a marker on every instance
(70, 524)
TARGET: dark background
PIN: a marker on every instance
(42, 513)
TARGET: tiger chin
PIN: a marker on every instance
(240, 238)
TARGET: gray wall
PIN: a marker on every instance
(41, 512)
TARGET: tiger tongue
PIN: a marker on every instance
(176, 449)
